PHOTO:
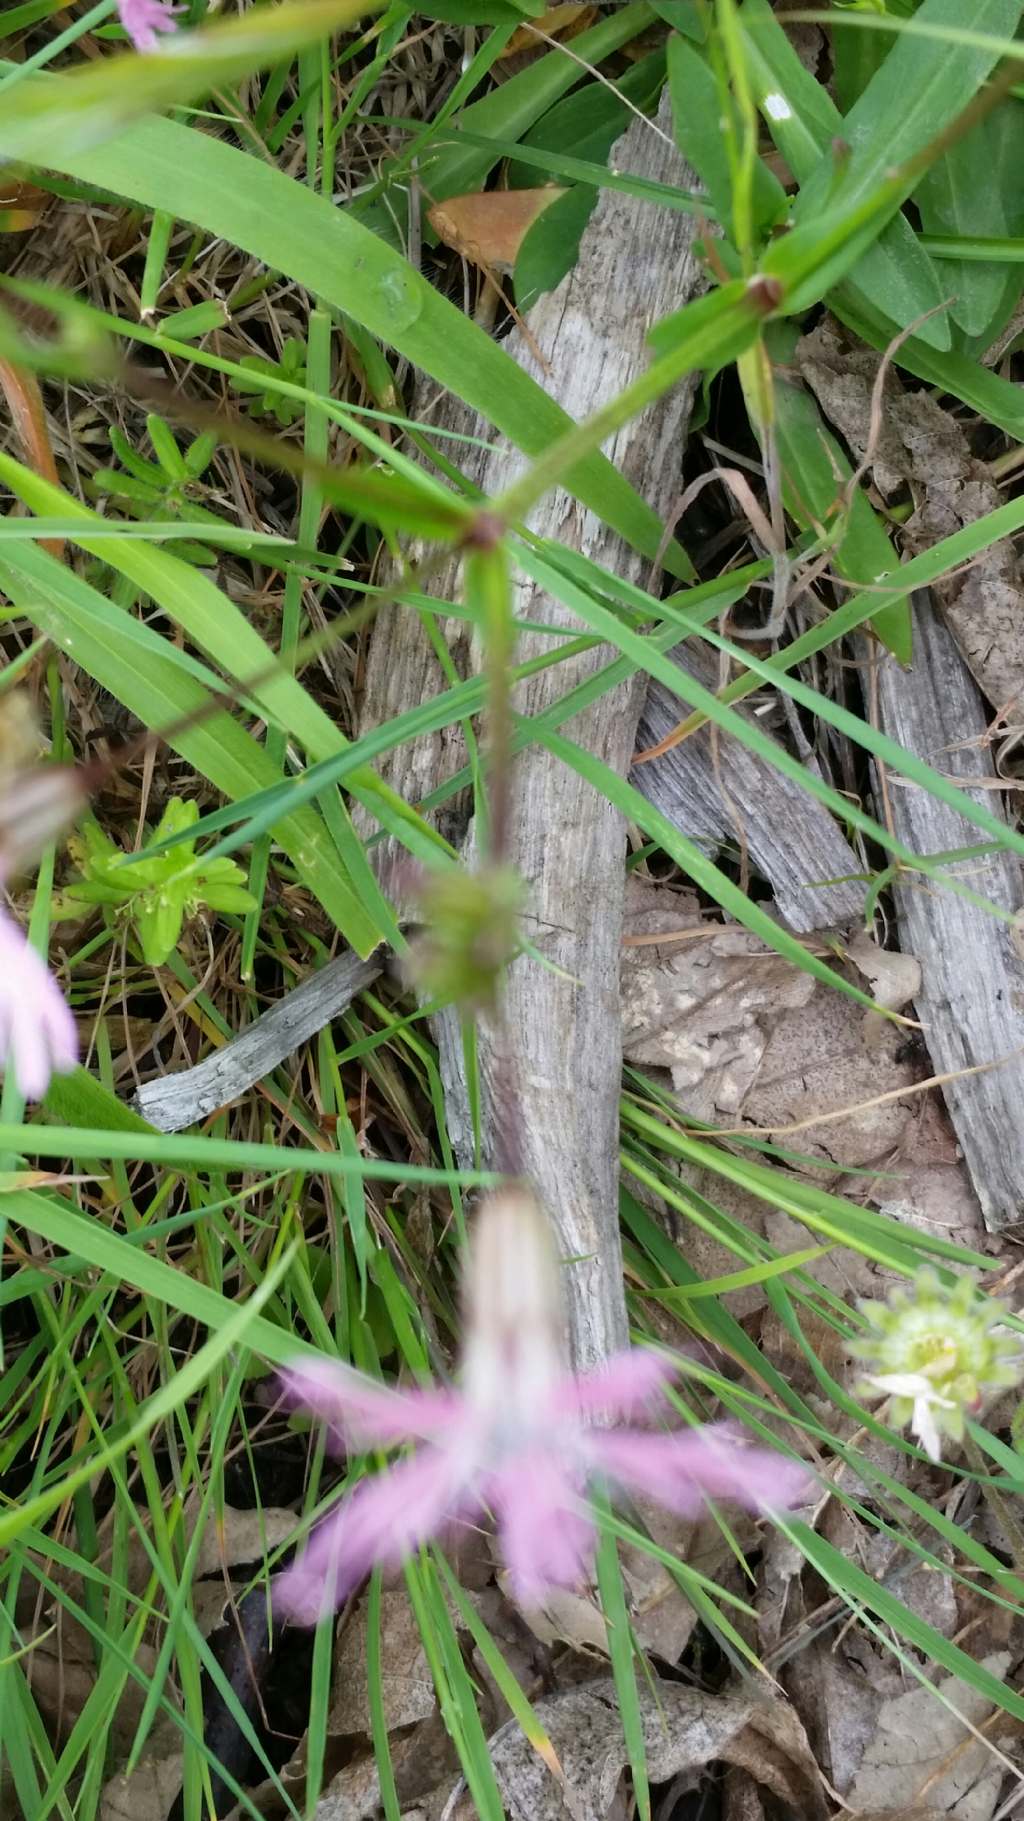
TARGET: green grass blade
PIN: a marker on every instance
(166, 166)
(98, 99)
(79, 621)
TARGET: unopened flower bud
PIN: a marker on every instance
(469, 934)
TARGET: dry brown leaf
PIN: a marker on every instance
(749, 1038)
(407, 1686)
(922, 1751)
(28, 414)
(660, 1614)
(353, 1795)
(741, 1797)
(61, 1670)
(894, 978)
(235, 1538)
(702, 1002)
(22, 205)
(423, 1762)
(568, 1617)
(838, 1687)
(684, 1730)
(927, 1184)
(147, 1795)
(821, 1060)
(489, 226)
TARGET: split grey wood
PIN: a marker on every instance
(711, 788)
(972, 995)
(586, 341)
(172, 1102)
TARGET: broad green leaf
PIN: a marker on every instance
(917, 90)
(98, 98)
(550, 248)
(587, 123)
(700, 135)
(513, 107)
(480, 12)
(81, 623)
(79, 1099)
(290, 229)
(686, 16)
(855, 58)
(805, 123)
(975, 190)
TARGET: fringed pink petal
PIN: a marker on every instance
(684, 1469)
(144, 20)
(363, 1414)
(627, 1385)
(37, 1032)
(384, 1520)
(545, 1530)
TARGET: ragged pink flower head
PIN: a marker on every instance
(37, 1031)
(521, 1439)
(144, 20)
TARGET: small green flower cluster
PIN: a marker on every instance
(156, 894)
(935, 1350)
(469, 934)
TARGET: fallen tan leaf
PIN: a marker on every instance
(702, 1009)
(684, 1731)
(894, 978)
(407, 1687)
(147, 1795)
(488, 226)
(923, 1751)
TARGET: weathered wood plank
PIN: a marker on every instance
(586, 340)
(712, 788)
(172, 1102)
(971, 1002)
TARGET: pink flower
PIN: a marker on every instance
(522, 1438)
(144, 20)
(37, 1031)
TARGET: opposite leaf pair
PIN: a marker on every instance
(159, 893)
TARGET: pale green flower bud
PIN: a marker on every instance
(936, 1351)
(469, 936)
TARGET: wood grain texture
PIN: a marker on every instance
(713, 788)
(586, 341)
(972, 995)
(172, 1102)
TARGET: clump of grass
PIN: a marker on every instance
(150, 1282)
